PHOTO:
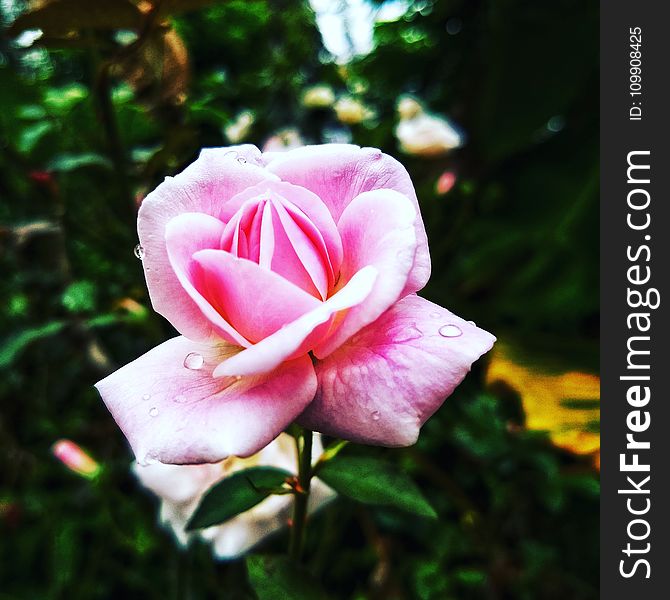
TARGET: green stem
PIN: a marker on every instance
(103, 92)
(304, 447)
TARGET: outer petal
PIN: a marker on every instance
(179, 415)
(204, 187)
(382, 385)
(337, 173)
(377, 229)
(290, 340)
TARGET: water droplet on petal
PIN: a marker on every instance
(241, 160)
(181, 399)
(194, 361)
(153, 412)
(375, 415)
(435, 315)
(450, 331)
(231, 154)
(138, 251)
(406, 334)
(146, 397)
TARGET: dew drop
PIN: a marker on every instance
(194, 361)
(153, 412)
(406, 334)
(231, 154)
(181, 399)
(435, 315)
(138, 251)
(146, 397)
(450, 331)
(375, 415)
(241, 160)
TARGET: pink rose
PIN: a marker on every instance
(291, 277)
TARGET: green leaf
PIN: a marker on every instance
(12, 347)
(60, 100)
(31, 112)
(31, 135)
(235, 494)
(274, 577)
(79, 296)
(67, 162)
(373, 481)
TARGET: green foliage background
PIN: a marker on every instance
(514, 247)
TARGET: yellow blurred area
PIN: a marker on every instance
(566, 405)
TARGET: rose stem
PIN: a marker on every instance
(304, 446)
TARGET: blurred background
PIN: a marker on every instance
(492, 107)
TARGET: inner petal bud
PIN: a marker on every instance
(270, 230)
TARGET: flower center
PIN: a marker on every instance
(272, 231)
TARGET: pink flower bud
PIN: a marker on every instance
(445, 182)
(75, 459)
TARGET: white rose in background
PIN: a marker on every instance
(181, 487)
(240, 127)
(423, 134)
(318, 96)
(283, 140)
(351, 111)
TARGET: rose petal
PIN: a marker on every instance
(295, 244)
(256, 301)
(377, 229)
(312, 214)
(382, 385)
(204, 186)
(291, 339)
(337, 173)
(184, 235)
(159, 403)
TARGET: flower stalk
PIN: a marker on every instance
(304, 449)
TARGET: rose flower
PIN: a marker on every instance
(292, 278)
